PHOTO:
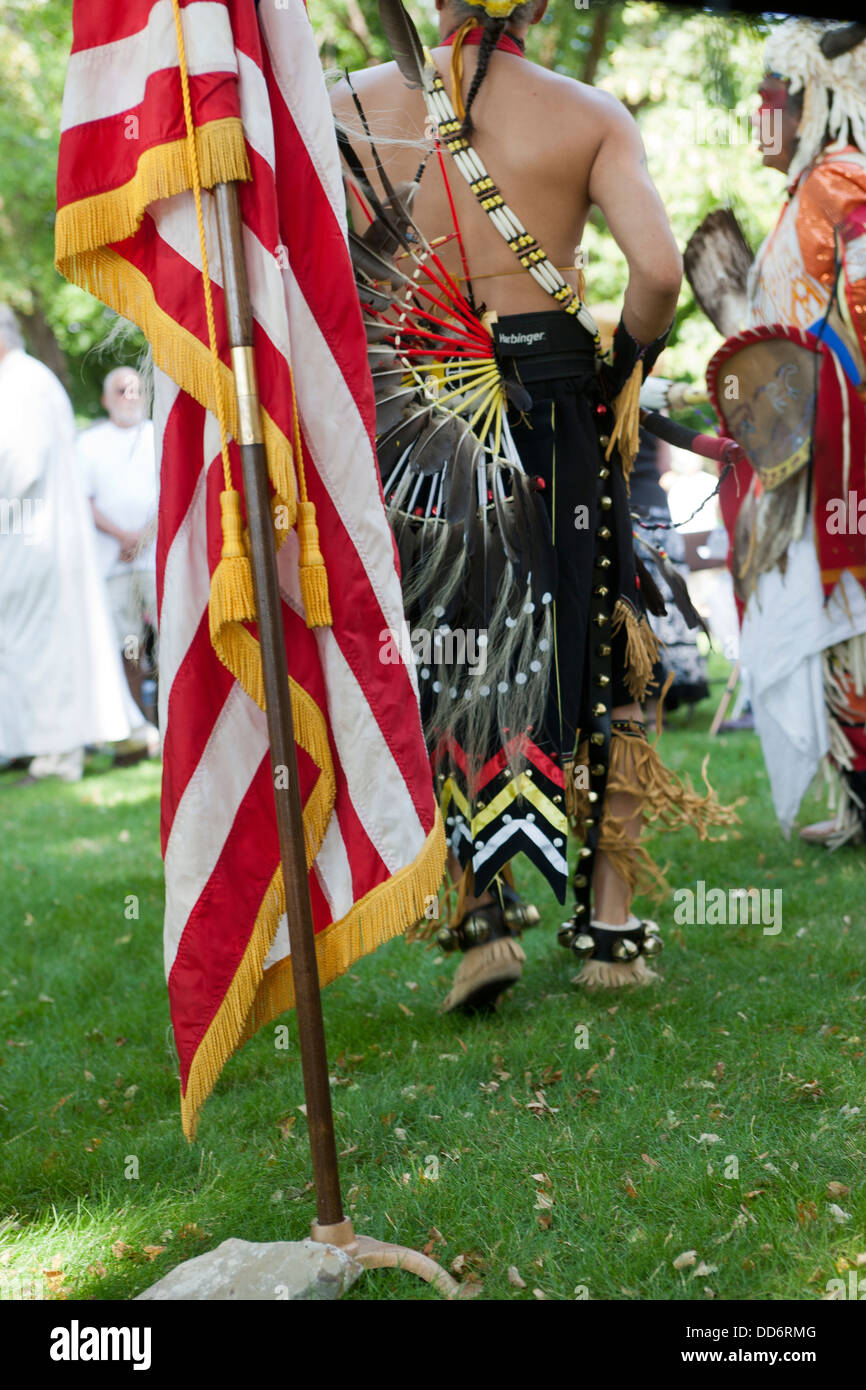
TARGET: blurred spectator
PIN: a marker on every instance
(118, 472)
(60, 681)
(679, 657)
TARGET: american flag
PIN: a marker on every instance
(127, 231)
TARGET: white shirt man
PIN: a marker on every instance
(118, 472)
(60, 678)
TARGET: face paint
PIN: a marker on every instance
(768, 118)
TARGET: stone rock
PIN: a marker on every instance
(241, 1269)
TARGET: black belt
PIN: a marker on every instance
(543, 346)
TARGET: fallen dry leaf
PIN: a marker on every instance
(151, 1251)
(806, 1212)
(540, 1107)
(190, 1231)
(436, 1238)
(837, 1189)
(466, 1266)
(685, 1260)
(514, 1278)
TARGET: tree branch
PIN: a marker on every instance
(600, 26)
(359, 29)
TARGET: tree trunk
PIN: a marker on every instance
(42, 343)
(600, 26)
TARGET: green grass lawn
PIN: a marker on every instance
(710, 1113)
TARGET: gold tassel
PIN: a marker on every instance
(313, 575)
(232, 603)
(641, 648)
(231, 591)
(626, 410)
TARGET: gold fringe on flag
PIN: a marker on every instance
(162, 172)
(641, 648)
(185, 358)
(84, 254)
(255, 998)
(626, 412)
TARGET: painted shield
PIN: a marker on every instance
(763, 385)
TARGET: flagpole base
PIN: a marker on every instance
(380, 1254)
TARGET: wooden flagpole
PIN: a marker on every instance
(331, 1227)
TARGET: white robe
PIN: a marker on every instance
(786, 628)
(61, 679)
(787, 624)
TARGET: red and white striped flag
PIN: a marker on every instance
(127, 231)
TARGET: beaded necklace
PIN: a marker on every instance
(532, 257)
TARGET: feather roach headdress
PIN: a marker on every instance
(497, 9)
(826, 62)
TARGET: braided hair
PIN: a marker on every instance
(493, 31)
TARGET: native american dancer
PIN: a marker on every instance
(798, 522)
(504, 444)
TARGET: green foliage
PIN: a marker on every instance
(34, 41)
(690, 78)
(602, 1183)
(693, 106)
(62, 324)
